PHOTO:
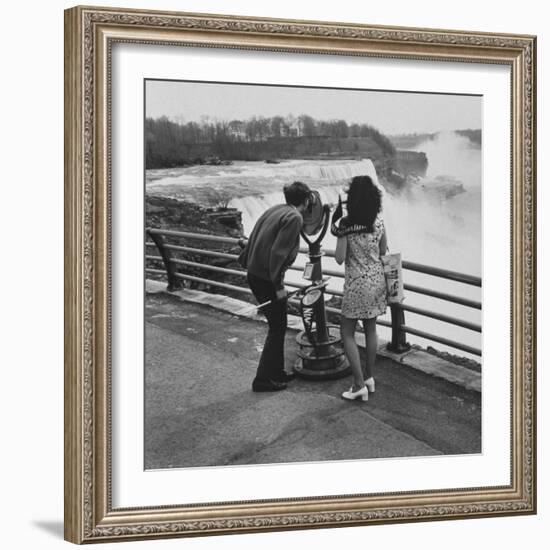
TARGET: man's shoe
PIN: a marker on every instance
(286, 376)
(269, 385)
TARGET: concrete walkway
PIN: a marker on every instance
(200, 410)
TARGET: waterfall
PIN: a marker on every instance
(328, 178)
(252, 207)
(333, 170)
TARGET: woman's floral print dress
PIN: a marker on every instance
(364, 283)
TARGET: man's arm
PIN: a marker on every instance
(284, 250)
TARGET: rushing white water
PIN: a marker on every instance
(423, 226)
(425, 223)
(289, 170)
(333, 178)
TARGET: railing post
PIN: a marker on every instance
(173, 282)
(398, 342)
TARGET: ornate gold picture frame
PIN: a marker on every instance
(90, 35)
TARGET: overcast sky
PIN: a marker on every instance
(390, 112)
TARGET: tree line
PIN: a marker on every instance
(171, 143)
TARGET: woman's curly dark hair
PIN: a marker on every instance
(364, 202)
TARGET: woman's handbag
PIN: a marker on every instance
(393, 272)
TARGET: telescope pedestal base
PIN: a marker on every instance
(321, 360)
(324, 369)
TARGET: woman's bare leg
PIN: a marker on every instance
(371, 345)
(347, 330)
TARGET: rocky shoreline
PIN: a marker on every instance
(169, 213)
(177, 215)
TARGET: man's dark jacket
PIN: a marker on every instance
(273, 244)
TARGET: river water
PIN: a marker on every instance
(424, 223)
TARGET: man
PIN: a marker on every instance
(269, 252)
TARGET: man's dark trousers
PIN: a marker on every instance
(272, 360)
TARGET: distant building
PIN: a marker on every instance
(294, 128)
(237, 129)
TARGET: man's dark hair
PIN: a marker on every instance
(364, 202)
(296, 193)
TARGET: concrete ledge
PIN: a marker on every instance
(416, 359)
(218, 301)
(435, 366)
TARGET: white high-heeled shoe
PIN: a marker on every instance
(370, 384)
(362, 393)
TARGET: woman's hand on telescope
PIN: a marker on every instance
(338, 211)
(336, 215)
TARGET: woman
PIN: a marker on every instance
(361, 242)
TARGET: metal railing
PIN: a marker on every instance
(169, 255)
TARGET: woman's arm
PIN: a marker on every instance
(383, 246)
(340, 252)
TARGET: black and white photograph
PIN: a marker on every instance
(313, 274)
(274, 275)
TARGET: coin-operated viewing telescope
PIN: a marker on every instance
(321, 353)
